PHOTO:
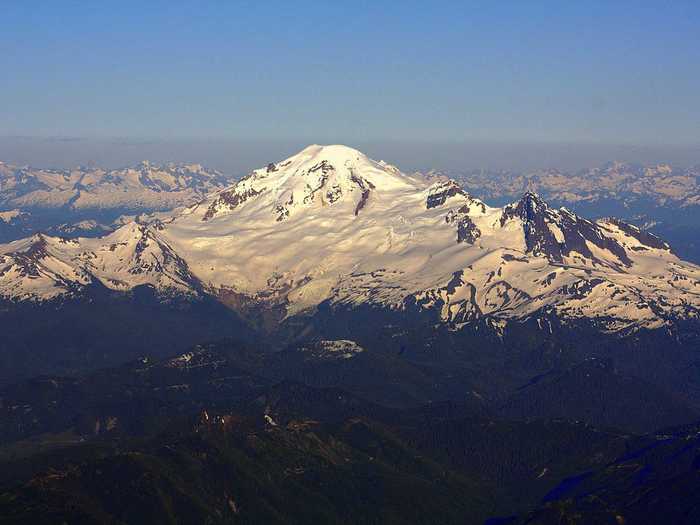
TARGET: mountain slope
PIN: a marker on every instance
(595, 392)
(655, 481)
(230, 469)
(59, 424)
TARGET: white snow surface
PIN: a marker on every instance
(331, 224)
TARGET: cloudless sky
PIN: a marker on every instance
(624, 72)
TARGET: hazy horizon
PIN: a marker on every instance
(238, 157)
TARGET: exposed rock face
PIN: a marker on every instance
(467, 231)
(439, 194)
(559, 233)
(230, 200)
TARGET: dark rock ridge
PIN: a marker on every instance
(441, 192)
(365, 187)
(230, 200)
(467, 231)
(539, 221)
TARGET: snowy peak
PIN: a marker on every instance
(136, 253)
(529, 208)
(440, 192)
(316, 177)
(336, 154)
(44, 267)
(37, 268)
(346, 163)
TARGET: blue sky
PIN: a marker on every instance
(603, 72)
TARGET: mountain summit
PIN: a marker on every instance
(331, 226)
(317, 176)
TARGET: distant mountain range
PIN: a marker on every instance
(145, 186)
(661, 184)
(89, 201)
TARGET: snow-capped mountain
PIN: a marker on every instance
(145, 186)
(44, 267)
(329, 225)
